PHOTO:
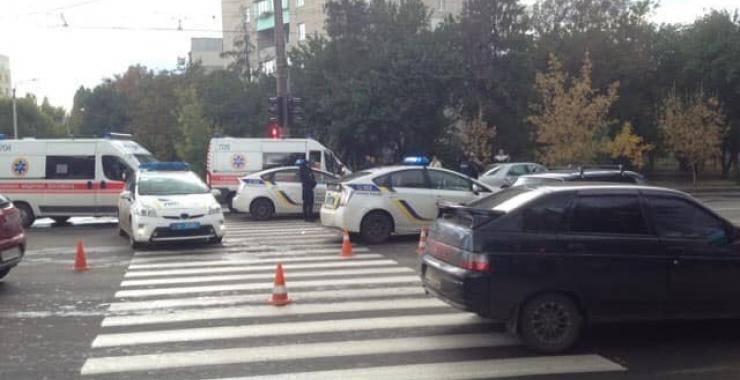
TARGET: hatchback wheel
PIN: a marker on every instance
(376, 227)
(262, 209)
(550, 323)
(27, 217)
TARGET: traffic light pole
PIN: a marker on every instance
(281, 64)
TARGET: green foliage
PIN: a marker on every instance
(195, 130)
(33, 120)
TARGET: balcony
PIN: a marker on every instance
(265, 15)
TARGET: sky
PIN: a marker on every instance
(56, 46)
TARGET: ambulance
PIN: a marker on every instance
(60, 178)
(231, 158)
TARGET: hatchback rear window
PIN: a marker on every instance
(498, 199)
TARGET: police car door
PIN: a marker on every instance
(449, 187)
(320, 191)
(410, 200)
(288, 191)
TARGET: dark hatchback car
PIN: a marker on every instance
(549, 260)
(12, 236)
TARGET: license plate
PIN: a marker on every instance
(432, 279)
(11, 254)
(185, 226)
(330, 202)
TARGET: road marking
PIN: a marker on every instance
(303, 296)
(283, 329)
(226, 261)
(264, 276)
(118, 364)
(266, 285)
(476, 369)
(271, 311)
(338, 263)
(283, 233)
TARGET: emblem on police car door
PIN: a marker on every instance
(238, 161)
(20, 167)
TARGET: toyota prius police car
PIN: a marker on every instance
(166, 201)
(277, 191)
(382, 201)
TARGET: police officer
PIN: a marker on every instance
(308, 183)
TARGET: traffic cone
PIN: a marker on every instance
(80, 259)
(346, 246)
(279, 291)
(422, 241)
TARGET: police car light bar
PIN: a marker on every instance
(165, 166)
(416, 160)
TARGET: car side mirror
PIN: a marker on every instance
(476, 189)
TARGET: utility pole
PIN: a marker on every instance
(15, 118)
(281, 64)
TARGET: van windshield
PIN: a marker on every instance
(172, 185)
(145, 158)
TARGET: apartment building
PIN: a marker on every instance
(301, 18)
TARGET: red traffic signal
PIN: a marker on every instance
(274, 131)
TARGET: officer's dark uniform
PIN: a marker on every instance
(308, 183)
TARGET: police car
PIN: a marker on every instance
(278, 191)
(382, 201)
(166, 201)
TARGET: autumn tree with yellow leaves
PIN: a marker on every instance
(628, 146)
(692, 128)
(571, 121)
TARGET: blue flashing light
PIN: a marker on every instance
(416, 160)
(300, 162)
(165, 167)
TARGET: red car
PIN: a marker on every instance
(12, 236)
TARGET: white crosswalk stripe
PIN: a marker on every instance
(196, 313)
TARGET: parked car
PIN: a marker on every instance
(503, 175)
(590, 175)
(12, 236)
(278, 191)
(549, 260)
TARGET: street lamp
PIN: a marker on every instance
(15, 113)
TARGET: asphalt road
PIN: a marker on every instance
(199, 312)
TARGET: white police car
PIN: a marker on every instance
(397, 199)
(278, 191)
(165, 201)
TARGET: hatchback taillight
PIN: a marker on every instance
(458, 257)
(477, 263)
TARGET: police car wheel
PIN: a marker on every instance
(27, 217)
(376, 227)
(262, 209)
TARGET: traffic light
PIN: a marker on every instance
(274, 130)
(295, 111)
(276, 110)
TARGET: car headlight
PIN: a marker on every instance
(214, 209)
(146, 211)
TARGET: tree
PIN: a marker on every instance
(33, 121)
(194, 129)
(477, 138)
(692, 128)
(627, 146)
(572, 118)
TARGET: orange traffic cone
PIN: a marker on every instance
(422, 241)
(80, 260)
(279, 291)
(346, 246)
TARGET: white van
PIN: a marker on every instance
(230, 158)
(59, 178)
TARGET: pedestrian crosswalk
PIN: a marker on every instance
(202, 313)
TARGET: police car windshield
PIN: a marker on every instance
(145, 158)
(172, 184)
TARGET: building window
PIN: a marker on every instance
(298, 3)
(301, 32)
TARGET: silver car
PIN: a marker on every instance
(503, 175)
